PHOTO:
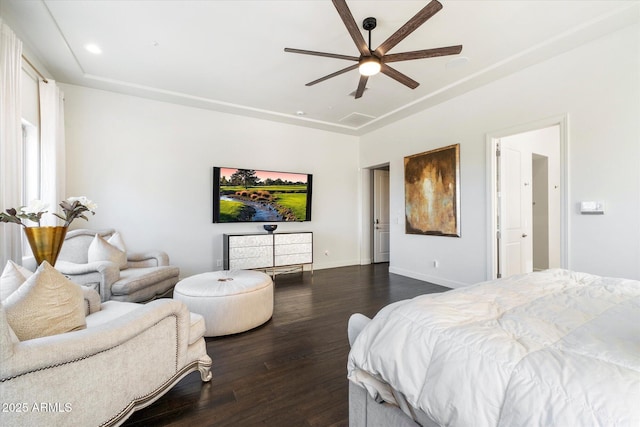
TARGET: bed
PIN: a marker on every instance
(551, 348)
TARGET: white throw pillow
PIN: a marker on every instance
(12, 277)
(7, 337)
(101, 250)
(46, 304)
(117, 241)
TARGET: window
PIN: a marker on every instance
(30, 171)
(30, 162)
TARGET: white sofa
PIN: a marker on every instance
(127, 357)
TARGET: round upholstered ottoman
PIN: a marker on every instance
(230, 301)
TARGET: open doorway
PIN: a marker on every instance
(527, 200)
(375, 234)
(380, 218)
(544, 220)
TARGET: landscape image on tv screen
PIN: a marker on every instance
(249, 195)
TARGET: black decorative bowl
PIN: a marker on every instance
(270, 227)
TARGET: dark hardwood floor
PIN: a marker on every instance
(291, 371)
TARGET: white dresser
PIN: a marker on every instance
(267, 251)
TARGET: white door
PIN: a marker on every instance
(516, 248)
(518, 204)
(380, 215)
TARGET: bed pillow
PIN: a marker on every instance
(101, 250)
(12, 277)
(46, 304)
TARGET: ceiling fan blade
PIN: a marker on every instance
(362, 85)
(399, 77)
(352, 27)
(337, 73)
(420, 18)
(426, 53)
(328, 55)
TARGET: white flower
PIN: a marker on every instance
(72, 208)
(89, 204)
(35, 207)
(92, 206)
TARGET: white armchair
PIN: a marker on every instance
(128, 356)
(145, 276)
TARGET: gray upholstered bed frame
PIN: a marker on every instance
(364, 411)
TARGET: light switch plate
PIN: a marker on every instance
(592, 208)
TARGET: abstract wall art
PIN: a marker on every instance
(432, 192)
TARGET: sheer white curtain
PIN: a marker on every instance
(10, 141)
(52, 148)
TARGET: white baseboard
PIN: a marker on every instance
(427, 278)
(334, 264)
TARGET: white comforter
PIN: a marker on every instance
(554, 348)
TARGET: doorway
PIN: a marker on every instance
(380, 220)
(527, 199)
(375, 246)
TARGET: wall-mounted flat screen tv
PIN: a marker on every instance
(250, 195)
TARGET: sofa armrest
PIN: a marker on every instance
(104, 272)
(71, 268)
(81, 346)
(147, 259)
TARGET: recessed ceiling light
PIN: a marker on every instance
(93, 48)
(300, 113)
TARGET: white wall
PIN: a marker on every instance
(598, 87)
(148, 165)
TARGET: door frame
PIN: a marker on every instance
(366, 211)
(375, 187)
(491, 162)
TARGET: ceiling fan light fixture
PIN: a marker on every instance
(370, 61)
(369, 66)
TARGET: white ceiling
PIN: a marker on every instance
(229, 55)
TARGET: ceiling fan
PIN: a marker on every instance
(370, 62)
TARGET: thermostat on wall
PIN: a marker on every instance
(592, 208)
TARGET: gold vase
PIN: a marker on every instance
(46, 242)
